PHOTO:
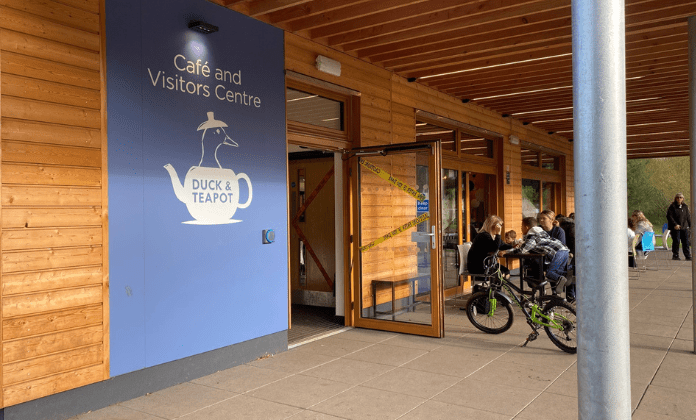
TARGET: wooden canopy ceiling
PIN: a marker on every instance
(511, 56)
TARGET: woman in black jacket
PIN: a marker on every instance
(679, 222)
(486, 242)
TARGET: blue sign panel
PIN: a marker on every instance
(197, 170)
(422, 205)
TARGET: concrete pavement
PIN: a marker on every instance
(363, 374)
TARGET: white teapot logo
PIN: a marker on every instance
(211, 192)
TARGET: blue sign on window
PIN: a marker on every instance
(422, 205)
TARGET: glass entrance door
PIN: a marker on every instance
(397, 249)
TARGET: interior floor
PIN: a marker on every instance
(311, 321)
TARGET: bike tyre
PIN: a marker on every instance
(499, 323)
(568, 342)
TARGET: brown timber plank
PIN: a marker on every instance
(74, 17)
(59, 93)
(44, 69)
(19, 393)
(37, 281)
(50, 217)
(52, 259)
(55, 300)
(50, 50)
(50, 196)
(27, 348)
(15, 239)
(29, 370)
(30, 131)
(20, 152)
(50, 175)
(51, 322)
(26, 109)
(31, 24)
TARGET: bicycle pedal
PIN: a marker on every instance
(533, 336)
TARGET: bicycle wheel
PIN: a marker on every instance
(563, 313)
(477, 310)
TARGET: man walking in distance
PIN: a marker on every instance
(679, 222)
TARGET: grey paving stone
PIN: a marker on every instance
(412, 382)
(241, 378)
(488, 396)
(293, 361)
(244, 407)
(116, 412)
(552, 407)
(386, 354)
(178, 400)
(435, 410)
(670, 402)
(367, 404)
(348, 371)
(299, 390)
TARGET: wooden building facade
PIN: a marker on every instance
(55, 233)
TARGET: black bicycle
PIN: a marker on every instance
(490, 309)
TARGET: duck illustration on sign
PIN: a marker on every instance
(211, 192)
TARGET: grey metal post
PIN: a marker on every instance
(599, 122)
(692, 142)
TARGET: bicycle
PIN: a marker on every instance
(491, 311)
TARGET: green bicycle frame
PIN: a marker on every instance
(536, 316)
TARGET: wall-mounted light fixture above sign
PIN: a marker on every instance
(328, 65)
(202, 27)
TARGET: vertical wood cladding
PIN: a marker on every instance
(54, 316)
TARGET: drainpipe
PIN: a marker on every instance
(599, 122)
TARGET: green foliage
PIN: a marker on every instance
(652, 184)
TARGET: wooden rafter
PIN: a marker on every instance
(512, 57)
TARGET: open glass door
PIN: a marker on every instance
(397, 245)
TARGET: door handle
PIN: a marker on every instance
(433, 237)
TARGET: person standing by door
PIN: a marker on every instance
(679, 223)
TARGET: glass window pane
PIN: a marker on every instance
(479, 185)
(477, 146)
(531, 190)
(530, 157)
(313, 109)
(549, 196)
(426, 131)
(549, 162)
(450, 227)
(395, 228)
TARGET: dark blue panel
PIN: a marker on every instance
(208, 280)
(126, 251)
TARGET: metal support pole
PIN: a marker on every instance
(599, 122)
(692, 142)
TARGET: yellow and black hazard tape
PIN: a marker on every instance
(418, 220)
(395, 182)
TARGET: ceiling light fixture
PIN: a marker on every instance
(202, 27)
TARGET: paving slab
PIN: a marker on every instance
(178, 400)
(366, 403)
(364, 374)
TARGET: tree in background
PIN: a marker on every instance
(652, 184)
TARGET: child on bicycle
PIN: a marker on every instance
(537, 240)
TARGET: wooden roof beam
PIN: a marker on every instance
(261, 7)
(285, 16)
(443, 22)
(370, 14)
